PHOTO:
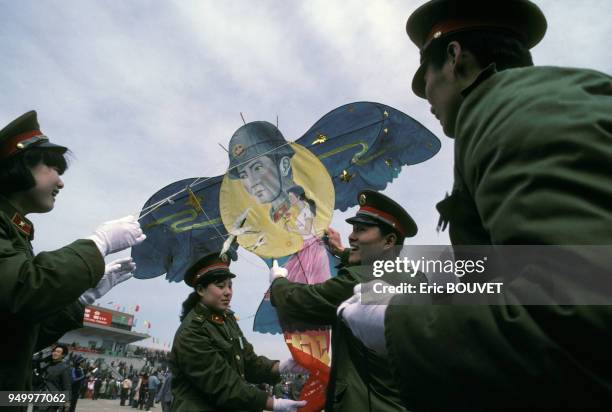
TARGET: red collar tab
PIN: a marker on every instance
(20, 142)
(218, 319)
(384, 216)
(22, 225)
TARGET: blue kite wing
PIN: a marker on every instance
(364, 145)
(181, 229)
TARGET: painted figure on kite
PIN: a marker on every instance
(274, 173)
(311, 262)
(261, 158)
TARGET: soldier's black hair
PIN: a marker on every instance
(64, 348)
(16, 174)
(189, 304)
(487, 46)
(194, 297)
(386, 229)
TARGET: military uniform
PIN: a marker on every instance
(213, 365)
(532, 154)
(360, 378)
(38, 294)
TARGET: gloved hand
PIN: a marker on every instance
(287, 405)
(291, 366)
(115, 272)
(366, 322)
(277, 271)
(116, 235)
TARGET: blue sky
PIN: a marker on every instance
(143, 91)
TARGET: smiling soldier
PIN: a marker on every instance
(43, 296)
(360, 379)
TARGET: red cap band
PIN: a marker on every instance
(451, 26)
(388, 218)
(10, 146)
(210, 268)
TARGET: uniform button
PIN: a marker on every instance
(237, 357)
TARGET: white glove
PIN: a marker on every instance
(287, 405)
(367, 322)
(291, 366)
(115, 272)
(277, 271)
(116, 235)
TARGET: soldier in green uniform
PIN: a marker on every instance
(533, 147)
(360, 379)
(213, 365)
(42, 296)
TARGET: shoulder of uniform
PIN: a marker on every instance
(193, 318)
(5, 221)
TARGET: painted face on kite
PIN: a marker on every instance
(293, 199)
(263, 191)
(261, 179)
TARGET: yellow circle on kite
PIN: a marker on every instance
(284, 199)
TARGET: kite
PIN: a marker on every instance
(275, 200)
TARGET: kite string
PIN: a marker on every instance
(151, 208)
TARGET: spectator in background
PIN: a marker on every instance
(103, 386)
(97, 386)
(143, 390)
(126, 385)
(57, 374)
(134, 392)
(165, 393)
(152, 389)
(78, 378)
(91, 384)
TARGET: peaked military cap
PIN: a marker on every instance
(211, 265)
(376, 208)
(253, 140)
(22, 133)
(437, 19)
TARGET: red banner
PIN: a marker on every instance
(98, 317)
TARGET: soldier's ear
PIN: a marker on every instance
(285, 166)
(462, 61)
(200, 290)
(390, 240)
(454, 54)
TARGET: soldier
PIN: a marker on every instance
(360, 379)
(533, 147)
(212, 363)
(38, 293)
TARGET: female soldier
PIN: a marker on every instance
(38, 294)
(212, 363)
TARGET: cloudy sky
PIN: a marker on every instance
(142, 92)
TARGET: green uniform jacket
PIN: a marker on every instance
(360, 379)
(533, 163)
(38, 294)
(213, 365)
